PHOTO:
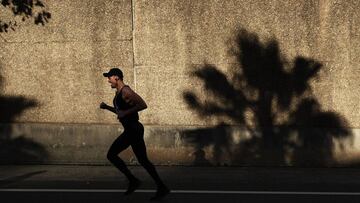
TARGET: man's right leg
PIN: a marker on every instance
(119, 145)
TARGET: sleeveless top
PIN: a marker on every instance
(120, 104)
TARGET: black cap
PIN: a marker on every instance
(114, 71)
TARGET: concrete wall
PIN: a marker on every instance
(60, 65)
(158, 44)
(179, 34)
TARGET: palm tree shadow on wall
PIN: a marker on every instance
(273, 102)
(25, 9)
(19, 149)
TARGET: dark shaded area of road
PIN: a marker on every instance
(253, 184)
(188, 198)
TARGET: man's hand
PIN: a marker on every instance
(107, 107)
(103, 106)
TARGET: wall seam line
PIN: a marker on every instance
(133, 41)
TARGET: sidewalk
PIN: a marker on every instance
(183, 178)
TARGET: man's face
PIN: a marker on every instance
(113, 81)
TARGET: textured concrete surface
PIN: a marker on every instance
(180, 34)
(62, 62)
(185, 145)
(158, 44)
(60, 65)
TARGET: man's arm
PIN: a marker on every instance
(107, 107)
(133, 99)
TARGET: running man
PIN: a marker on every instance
(127, 104)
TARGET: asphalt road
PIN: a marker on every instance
(187, 198)
(51, 183)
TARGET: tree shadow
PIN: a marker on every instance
(273, 101)
(25, 9)
(19, 149)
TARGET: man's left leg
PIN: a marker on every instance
(139, 148)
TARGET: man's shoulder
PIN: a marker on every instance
(127, 90)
